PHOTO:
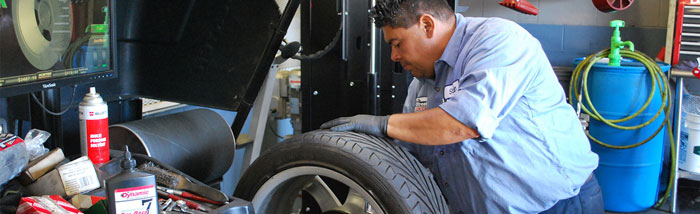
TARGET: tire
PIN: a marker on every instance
(385, 175)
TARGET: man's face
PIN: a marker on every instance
(410, 46)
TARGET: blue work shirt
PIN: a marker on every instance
(494, 77)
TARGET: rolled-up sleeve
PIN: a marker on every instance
(492, 81)
(477, 115)
(476, 104)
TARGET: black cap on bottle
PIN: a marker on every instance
(127, 162)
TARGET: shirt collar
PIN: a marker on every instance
(454, 46)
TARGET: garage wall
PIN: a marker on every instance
(569, 29)
(652, 13)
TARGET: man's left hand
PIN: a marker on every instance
(368, 124)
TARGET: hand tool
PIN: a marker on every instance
(165, 204)
(189, 203)
(177, 181)
(188, 195)
(184, 207)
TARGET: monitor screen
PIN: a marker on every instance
(47, 44)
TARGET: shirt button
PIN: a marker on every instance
(442, 152)
(446, 185)
(437, 89)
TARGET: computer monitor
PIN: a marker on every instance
(47, 44)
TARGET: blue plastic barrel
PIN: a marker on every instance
(629, 178)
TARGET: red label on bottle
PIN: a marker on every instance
(97, 140)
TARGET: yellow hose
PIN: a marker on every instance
(580, 76)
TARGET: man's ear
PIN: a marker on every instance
(426, 22)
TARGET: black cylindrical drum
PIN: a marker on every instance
(197, 142)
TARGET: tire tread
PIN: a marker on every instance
(398, 166)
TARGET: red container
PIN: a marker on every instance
(94, 134)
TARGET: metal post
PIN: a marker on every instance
(258, 123)
(677, 134)
(344, 22)
(373, 79)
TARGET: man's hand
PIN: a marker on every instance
(368, 124)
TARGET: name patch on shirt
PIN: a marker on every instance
(451, 90)
(421, 104)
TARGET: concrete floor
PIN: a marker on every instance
(688, 200)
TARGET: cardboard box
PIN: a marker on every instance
(66, 180)
(85, 201)
(40, 166)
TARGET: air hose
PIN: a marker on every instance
(580, 77)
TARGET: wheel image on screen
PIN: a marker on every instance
(339, 172)
(43, 29)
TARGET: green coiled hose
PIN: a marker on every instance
(580, 77)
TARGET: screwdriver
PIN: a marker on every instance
(188, 195)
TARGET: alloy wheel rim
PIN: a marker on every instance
(280, 193)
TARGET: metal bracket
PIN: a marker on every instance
(344, 22)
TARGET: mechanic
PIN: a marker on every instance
(485, 113)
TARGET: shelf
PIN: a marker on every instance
(694, 53)
(691, 34)
(688, 175)
(681, 73)
(690, 43)
(152, 106)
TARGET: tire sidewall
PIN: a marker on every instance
(296, 152)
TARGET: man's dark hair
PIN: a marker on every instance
(405, 13)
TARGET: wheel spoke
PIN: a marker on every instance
(280, 193)
(319, 190)
(285, 195)
(355, 203)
